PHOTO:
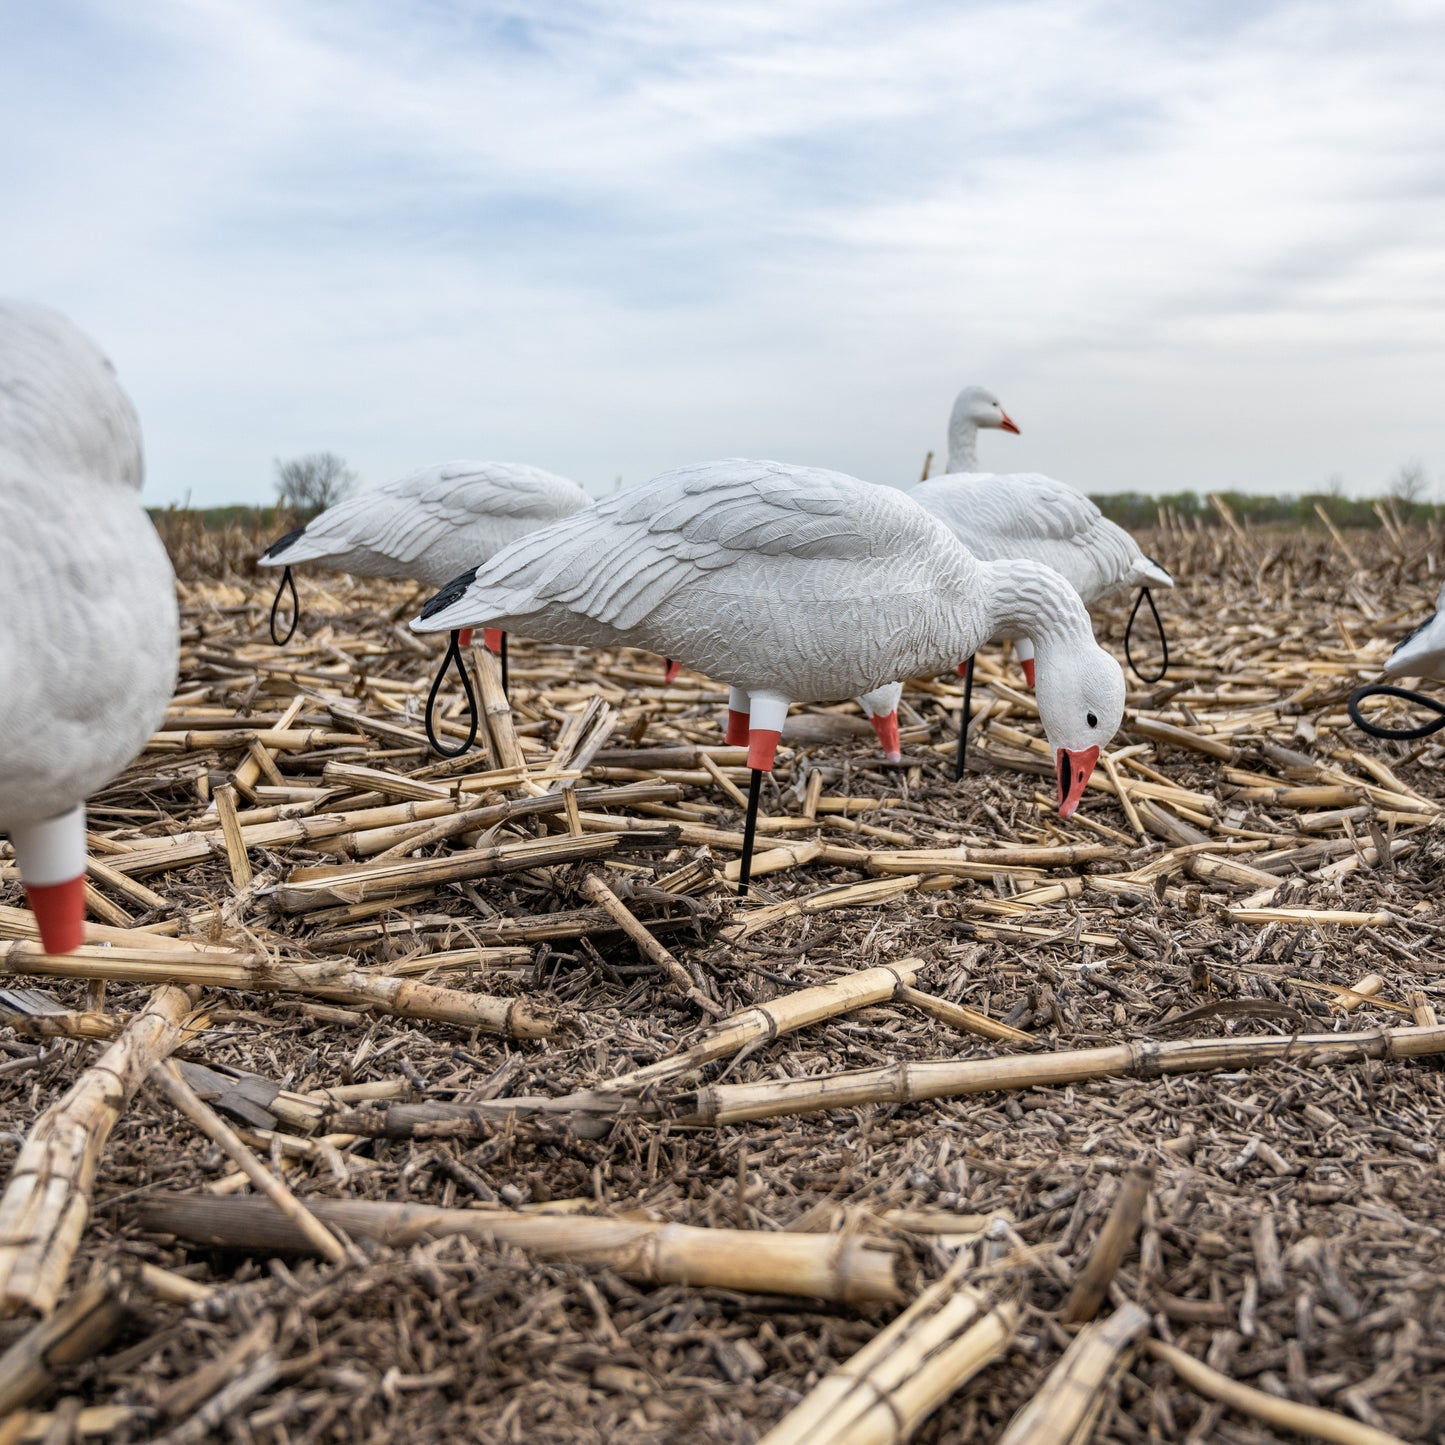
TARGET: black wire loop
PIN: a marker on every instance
(1399, 735)
(453, 655)
(1158, 627)
(287, 580)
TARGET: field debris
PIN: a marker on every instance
(465, 1098)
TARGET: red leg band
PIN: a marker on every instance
(59, 910)
(762, 743)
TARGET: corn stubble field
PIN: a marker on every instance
(390, 1099)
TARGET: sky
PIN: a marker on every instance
(1190, 245)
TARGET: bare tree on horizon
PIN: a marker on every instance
(311, 483)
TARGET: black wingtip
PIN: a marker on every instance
(282, 543)
(452, 592)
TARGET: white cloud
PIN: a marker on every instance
(1190, 247)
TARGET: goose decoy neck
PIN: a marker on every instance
(963, 447)
(975, 406)
(1029, 599)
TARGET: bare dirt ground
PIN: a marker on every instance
(1248, 867)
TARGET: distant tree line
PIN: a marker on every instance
(1133, 510)
(309, 484)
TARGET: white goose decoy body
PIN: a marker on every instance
(433, 523)
(792, 584)
(89, 650)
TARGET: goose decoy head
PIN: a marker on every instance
(977, 404)
(1081, 701)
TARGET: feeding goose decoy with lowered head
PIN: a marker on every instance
(89, 652)
(791, 584)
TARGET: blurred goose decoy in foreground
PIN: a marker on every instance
(90, 640)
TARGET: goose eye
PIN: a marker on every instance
(1092, 720)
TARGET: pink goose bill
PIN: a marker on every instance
(1074, 768)
(1008, 423)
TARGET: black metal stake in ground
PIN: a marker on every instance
(1144, 596)
(453, 655)
(750, 827)
(287, 580)
(504, 662)
(1399, 735)
(963, 721)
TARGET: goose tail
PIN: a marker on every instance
(1148, 573)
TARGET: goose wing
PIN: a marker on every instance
(631, 552)
(405, 519)
(1025, 514)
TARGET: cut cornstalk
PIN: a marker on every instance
(958, 1016)
(338, 980)
(307, 889)
(1344, 918)
(46, 1202)
(598, 892)
(77, 1331)
(168, 1080)
(496, 710)
(911, 1082)
(1075, 1388)
(944, 1338)
(94, 1422)
(968, 862)
(1115, 1240)
(758, 1026)
(777, 860)
(240, 864)
(844, 895)
(850, 1269)
(1308, 1420)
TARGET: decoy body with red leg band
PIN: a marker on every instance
(89, 644)
(790, 584)
(427, 527)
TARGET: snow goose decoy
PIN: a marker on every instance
(791, 584)
(998, 516)
(89, 655)
(426, 527)
(1420, 653)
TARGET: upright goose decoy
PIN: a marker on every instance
(791, 584)
(1420, 653)
(89, 651)
(426, 527)
(974, 408)
(999, 516)
(1026, 514)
